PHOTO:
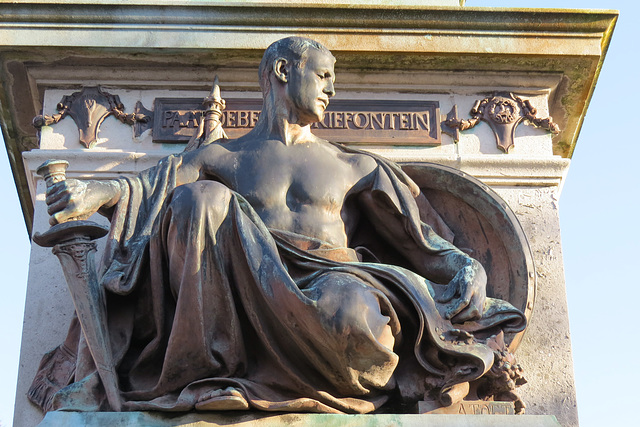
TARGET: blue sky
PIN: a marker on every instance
(600, 233)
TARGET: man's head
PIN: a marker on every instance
(303, 71)
(293, 49)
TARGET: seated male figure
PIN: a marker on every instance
(234, 284)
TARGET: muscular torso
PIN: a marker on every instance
(300, 188)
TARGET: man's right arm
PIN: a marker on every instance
(79, 199)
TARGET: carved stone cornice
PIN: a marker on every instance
(255, 15)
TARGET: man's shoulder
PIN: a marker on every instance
(220, 146)
(211, 156)
(368, 162)
(362, 160)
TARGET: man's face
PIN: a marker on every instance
(310, 86)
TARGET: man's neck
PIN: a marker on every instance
(277, 122)
(289, 133)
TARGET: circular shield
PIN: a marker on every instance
(486, 228)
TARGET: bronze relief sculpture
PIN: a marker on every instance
(238, 275)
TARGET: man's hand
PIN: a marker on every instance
(469, 285)
(76, 199)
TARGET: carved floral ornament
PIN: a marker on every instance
(89, 107)
(503, 113)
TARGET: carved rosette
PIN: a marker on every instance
(503, 113)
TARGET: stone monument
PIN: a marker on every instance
(294, 280)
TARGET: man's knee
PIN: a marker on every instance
(335, 291)
(349, 303)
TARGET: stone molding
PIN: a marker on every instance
(236, 17)
(299, 3)
(492, 170)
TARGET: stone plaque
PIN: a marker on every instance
(351, 121)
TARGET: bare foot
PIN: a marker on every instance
(229, 399)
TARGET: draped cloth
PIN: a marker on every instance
(203, 296)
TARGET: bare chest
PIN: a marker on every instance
(292, 179)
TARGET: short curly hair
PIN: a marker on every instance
(292, 49)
